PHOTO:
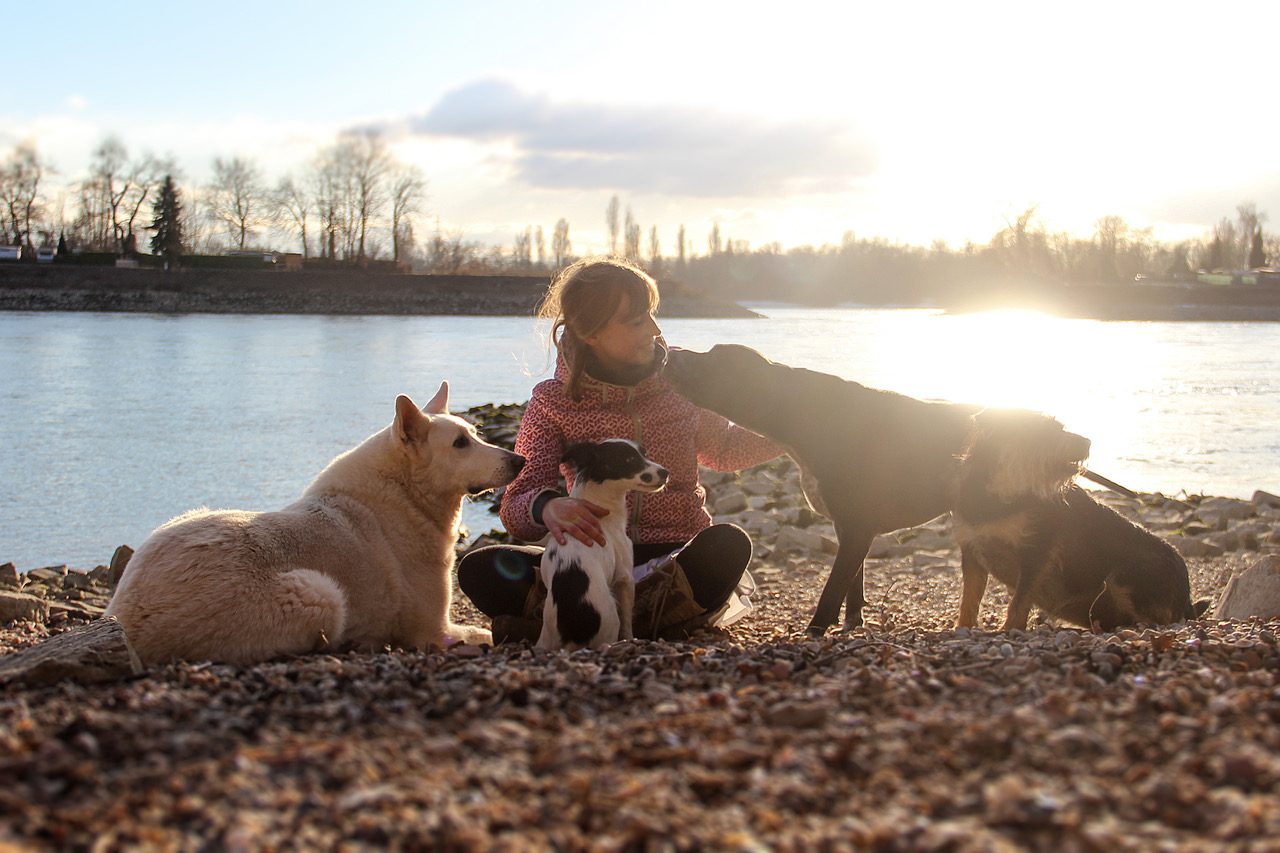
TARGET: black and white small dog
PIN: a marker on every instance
(590, 590)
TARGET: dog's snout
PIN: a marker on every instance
(516, 461)
(662, 475)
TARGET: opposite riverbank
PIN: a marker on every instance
(27, 287)
(200, 291)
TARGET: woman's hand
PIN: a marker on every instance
(574, 517)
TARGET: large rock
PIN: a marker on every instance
(98, 651)
(1253, 592)
(1190, 547)
(119, 560)
(9, 576)
(795, 539)
(1265, 499)
(20, 605)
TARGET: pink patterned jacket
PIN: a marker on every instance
(674, 433)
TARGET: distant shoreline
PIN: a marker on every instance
(201, 291)
(26, 287)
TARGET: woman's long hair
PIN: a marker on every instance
(582, 300)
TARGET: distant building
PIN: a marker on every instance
(265, 257)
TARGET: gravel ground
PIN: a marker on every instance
(903, 735)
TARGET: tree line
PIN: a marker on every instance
(356, 202)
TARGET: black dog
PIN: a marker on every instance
(873, 461)
(1020, 517)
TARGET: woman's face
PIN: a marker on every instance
(627, 340)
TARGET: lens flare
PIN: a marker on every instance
(511, 567)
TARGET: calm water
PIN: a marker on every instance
(110, 424)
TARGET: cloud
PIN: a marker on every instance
(672, 151)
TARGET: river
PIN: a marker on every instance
(110, 424)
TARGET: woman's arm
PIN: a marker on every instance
(725, 446)
(540, 442)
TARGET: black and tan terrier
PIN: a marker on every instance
(1019, 516)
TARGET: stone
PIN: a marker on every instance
(881, 546)
(20, 605)
(798, 539)
(1266, 499)
(9, 576)
(800, 715)
(76, 580)
(1252, 592)
(1189, 547)
(48, 575)
(1229, 508)
(1228, 540)
(119, 560)
(730, 502)
(99, 651)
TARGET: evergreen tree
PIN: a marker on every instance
(1257, 258)
(167, 223)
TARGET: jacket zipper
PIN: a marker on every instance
(638, 431)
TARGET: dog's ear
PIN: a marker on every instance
(578, 455)
(439, 404)
(971, 439)
(410, 424)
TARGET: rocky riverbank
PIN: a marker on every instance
(903, 735)
(33, 288)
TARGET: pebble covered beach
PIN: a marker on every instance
(904, 734)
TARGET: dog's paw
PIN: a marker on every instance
(468, 635)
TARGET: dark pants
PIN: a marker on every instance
(498, 578)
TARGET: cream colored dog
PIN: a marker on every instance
(363, 559)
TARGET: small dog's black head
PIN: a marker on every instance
(615, 461)
(1020, 452)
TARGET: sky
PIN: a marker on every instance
(787, 122)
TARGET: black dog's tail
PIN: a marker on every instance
(577, 620)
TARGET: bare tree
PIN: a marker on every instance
(522, 251)
(451, 253)
(113, 195)
(655, 250)
(369, 163)
(407, 190)
(541, 244)
(713, 240)
(611, 219)
(631, 238)
(680, 254)
(237, 198)
(560, 245)
(105, 192)
(328, 191)
(1219, 253)
(20, 177)
(194, 221)
(351, 188)
(146, 176)
(1248, 221)
(292, 201)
